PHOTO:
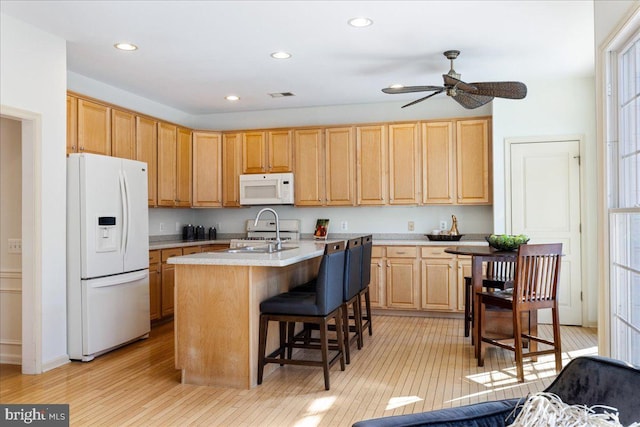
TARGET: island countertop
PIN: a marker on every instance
(302, 250)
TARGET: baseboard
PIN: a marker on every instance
(57, 362)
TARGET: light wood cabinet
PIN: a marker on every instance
(231, 169)
(438, 167)
(279, 151)
(404, 161)
(371, 166)
(94, 128)
(123, 134)
(72, 124)
(340, 166)
(463, 270)
(309, 154)
(377, 286)
(254, 152)
(438, 279)
(155, 283)
(174, 166)
(147, 151)
(207, 170)
(168, 281)
(402, 277)
(473, 177)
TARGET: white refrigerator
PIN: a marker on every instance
(107, 254)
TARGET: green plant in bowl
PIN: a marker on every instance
(507, 242)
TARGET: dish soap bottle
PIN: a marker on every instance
(454, 226)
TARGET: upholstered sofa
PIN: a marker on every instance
(587, 380)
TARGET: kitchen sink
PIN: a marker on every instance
(267, 249)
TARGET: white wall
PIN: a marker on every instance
(554, 108)
(33, 79)
(10, 228)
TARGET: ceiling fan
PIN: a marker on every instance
(469, 95)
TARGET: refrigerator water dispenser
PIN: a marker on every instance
(106, 234)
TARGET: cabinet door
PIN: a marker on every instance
(280, 151)
(254, 152)
(167, 164)
(464, 270)
(309, 179)
(183, 171)
(438, 163)
(123, 134)
(72, 124)
(155, 280)
(94, 128)
(438, 284)
(231, 169)
(472, 162)
(402, 283)
(340, 166)
(168, 281)
(404, 160)
(377, 286)
(207, 170)
(147, 151)
(371, 165)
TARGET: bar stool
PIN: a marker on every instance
(317, 308)
(367, 247)
(351, 295)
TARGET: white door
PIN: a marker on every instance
(545, 205)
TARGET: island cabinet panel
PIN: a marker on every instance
(147, 151)
(473, 162)
(207, 169)
(72, 124)
(371, 165)
(438, 167)
(309, 161)
(402, 277)
(280, 151)
(254, 152)
(231, 169)
(404, 161)
(94, 128)
(123, 134)
(340, 166)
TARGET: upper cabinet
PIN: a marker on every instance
(174, 166)
(72, 124)
(404, 161)
(267, 152)
(371, 165)
(94, 128)
(473, 162)
(207, 170)
(309, 178)
(456, 162)
(231, 169)
(340, 165)
(123, 134)
(147, 151)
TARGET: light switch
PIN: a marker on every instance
(15, 246)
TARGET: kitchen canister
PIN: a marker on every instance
(213, 235)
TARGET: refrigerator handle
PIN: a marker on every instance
(125, 212)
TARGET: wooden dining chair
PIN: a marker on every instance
(535, 286)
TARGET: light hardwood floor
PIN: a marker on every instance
(410, 364)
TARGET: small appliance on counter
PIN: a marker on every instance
(213, 234)
(188, 232)
(200, 233)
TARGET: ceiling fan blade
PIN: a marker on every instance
(458, 84)
(422, 99)
(408, 89)
(471, 100)
(511, 90)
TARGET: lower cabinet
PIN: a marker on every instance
(168, 282)
(155, 283)
(423, 278)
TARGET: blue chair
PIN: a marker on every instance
(351, 295)
(316, 308)
(365, 319)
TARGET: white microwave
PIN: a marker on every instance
(267, 189)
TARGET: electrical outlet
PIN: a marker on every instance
(177, 226)
(411, 226)
(15, 246)
(162, 226)
(218, 227)
(443, 225)
(344, 225)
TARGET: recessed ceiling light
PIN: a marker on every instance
(396, 86)
(125, 46)
(232, 97)
(281, 55)
(360, 22)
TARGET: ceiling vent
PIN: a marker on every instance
(281, 94)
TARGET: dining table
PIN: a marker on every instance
(479, 256)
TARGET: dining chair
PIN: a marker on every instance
(319, 308)
(535, 286)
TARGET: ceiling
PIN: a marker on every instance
(194, 53)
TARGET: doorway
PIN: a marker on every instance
(543, 202)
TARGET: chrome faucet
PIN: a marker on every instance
(275, 214)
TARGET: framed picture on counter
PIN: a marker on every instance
(322, 229)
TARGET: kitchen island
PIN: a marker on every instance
(217, 309)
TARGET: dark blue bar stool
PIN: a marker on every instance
(351, 295)
(316, 308)
(365, 319)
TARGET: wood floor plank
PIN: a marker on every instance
(410, 364)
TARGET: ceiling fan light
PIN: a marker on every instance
(396, 86)
(126, 46)
(360, 22)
